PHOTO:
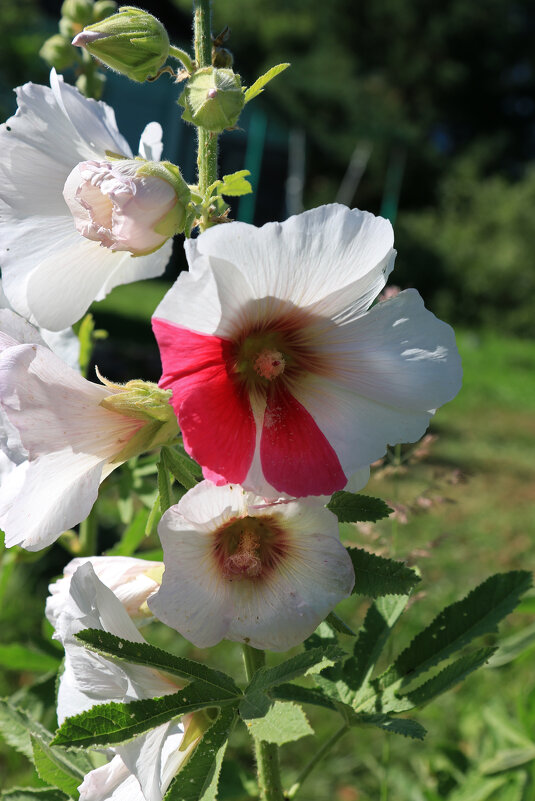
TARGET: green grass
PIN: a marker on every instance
(467, 499)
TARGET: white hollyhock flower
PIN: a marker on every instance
(141, 769)
(74, 433)
(51, 272)
(132, 580)
(282, 375)
(237, 567)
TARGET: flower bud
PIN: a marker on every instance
(103, 9)
(80, 11)
(213, 99)
(127, 204)
(91, 86)
(68, 29)
(131, 42)
(57, 52)
(142, 400)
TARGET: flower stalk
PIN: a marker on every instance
(267, 754)
(207, 140)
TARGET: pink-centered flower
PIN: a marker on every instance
(239, 568)
(71, 433)
(282, 375)
(52, 271)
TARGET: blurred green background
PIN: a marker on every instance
(423, 112)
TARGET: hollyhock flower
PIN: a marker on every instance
(141, 769)
(51, 272)
(73, 431)
(282, 375)
(237, 567)
(132, 580)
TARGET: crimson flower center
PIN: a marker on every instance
(249, 548)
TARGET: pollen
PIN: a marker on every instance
(269, 364)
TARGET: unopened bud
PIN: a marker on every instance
(58, 53)
(213, 99)
(91, 86)
(127, 204)
(131, 42)
(103, 9)
(68, 29)
(80, 11)
(222, 57)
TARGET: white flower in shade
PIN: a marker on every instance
(73, 432)
(239, 568)
(132, 580)
(282, 375)
(52, 272)
(142, 769)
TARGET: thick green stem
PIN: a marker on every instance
(207, 141)
(267, 754)
(325, 748)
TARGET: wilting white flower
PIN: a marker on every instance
(131, 580)
(74, 433)
(239, 568)
(281, 373)
(51, 272)
(141, 769)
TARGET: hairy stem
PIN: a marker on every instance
(207, 141)
(267, 754)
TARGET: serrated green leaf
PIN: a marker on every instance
(404, 726)
(458, 624)
(198, 779)
(186, 471)
(18, 657)
(258, 85)
(132, 536)
(355, 672)
(448, 677)
(33, 794)
(303, 695)
(55, 767)
(235, 184)
(112, 723)
(352, 508)
(303, 663)
(376, 575)
(106, 644)
(16, 726)
(254, 705)
(284, 723)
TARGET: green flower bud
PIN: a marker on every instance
(80, 11)
(103, 9)
(69, 29)
(144, 401)
(92, 86)
(213, 99)
(131, 42)
(58, 53)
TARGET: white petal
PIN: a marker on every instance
(41, 499)
(143, 757)
(329, 258)
(398, 354)
(150, 144)
(111, 782)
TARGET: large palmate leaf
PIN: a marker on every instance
(283, 723)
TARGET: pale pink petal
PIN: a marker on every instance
(111, 782)
(213, 409)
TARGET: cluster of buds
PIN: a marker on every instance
(58, 50)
